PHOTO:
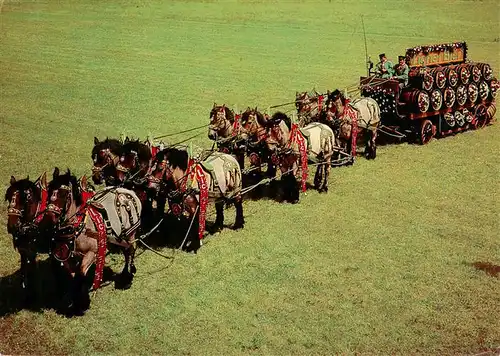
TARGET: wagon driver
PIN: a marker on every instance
(401, 71)
(384, 69)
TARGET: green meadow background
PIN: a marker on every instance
(382, 264)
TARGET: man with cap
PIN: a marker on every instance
(384, 69)
(401, 71)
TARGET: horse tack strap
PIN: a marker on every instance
(297, 137)
(101, 245)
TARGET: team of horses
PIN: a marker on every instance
(77, 224)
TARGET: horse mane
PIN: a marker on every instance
(229, 112)
(281, 116)
(176, 157)
(21, 186)
(112, 144)
(67, 179)
(143, 151)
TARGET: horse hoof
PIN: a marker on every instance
(295, 201)
(238, 226)
(133, 269)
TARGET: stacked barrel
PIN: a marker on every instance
(452, 88)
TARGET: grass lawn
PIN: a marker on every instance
(381, 264)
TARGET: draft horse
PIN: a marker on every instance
(255, 132)
(354, 121)
(225, 130)
(190, 184)
(105, 156)
(27, 201)
(84, 223)
(309, 107)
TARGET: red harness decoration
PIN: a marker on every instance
(236, 124)
(297, 137)
(154, 151)
(196, 171)
(101, 245)
(353, 115)
(320, 102)
(42, 206)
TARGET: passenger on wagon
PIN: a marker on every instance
(384, 69)
(401, 71)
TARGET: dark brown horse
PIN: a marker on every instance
(84, 223)
(255, 132)
(105, 157)
(355, 121)
(191, 184)
(27, 202)
(225, 130)
(291, 148)
(309, 107)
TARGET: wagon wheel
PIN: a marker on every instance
(480, 116)
(427, 131)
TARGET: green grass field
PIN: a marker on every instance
(382, 264)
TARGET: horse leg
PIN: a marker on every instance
(219, 220)
(240, 220)
(373, 138)
(317, 178)
(124, 280)
(28, 277)
(326, 174)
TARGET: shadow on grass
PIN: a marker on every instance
(49, 289)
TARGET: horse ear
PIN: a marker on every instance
(215, 105)
(96, 140)
(43, 180)
(127, 140)
(55, 174)
(28, 177)
(256, 108)
(248, 108)
(83, 183)
(12, 180)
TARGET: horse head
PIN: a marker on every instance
(105, 156)
(135, 157)
(335, 102)
(279, 129)
(221, 122)
(65, 196)
(25, 202)
(254, 124)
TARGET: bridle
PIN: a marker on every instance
(58, 211)
(109, 157)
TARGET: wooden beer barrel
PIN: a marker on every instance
(461, 95)
(494, 86)
(415, 99)
(449, 119)
(484, 90)
(439, 77)
(421, 78)
(469, 117)
(463, 73)
(449, 97)
(436, 99)
(459, 118)
(473, 92)
(451, 76)
(490, 113)
(485, 70)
